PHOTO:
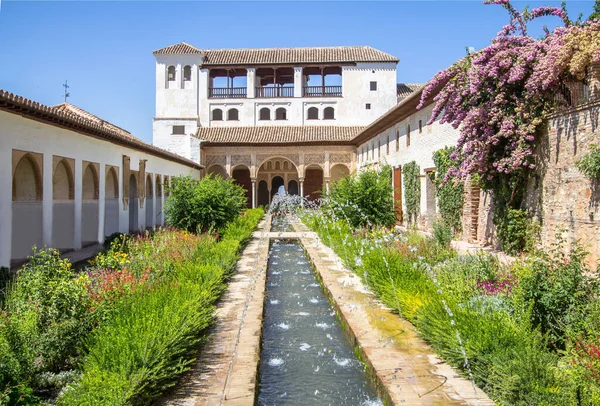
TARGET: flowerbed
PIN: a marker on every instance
(529, 331)
(122, 331)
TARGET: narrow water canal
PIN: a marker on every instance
(306, 358)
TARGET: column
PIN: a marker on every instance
(47, 211)
(78, 202)
(228, 165)
(6, 205)
(250, 82)
(301, 182)
(327, 180)
(101, 202)
(298, 81)
(253, 193)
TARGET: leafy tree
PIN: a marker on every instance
(450, 191)
(412, 190)
(596, 13)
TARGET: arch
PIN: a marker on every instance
(171, 73)
(312, 114)
(62, 182)
(158, 186)
(27, 180)
(133, 204)
(217, 115)
(263, 193)
(90, 184)
(217, 170)
(329, 113)
(268, 163)
(167, 191)
(149, 202)
(241, 176)
(276, 182)
(293, 187)
(111, 202)
(187, 73)
(233, 115)
(111, 187)
(285, 165)
(281, 114)
(264, 114)
(277, 165)
(339, 171)
(313, 182)
(158, 219)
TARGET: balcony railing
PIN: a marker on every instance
(322, 91)
(227, 92)
(276, 91)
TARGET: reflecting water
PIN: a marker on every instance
(281, 224)
(306, 358)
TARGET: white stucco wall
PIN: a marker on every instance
(20, 133)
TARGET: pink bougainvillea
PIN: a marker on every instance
(499, 96)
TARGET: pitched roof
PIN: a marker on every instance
(278, 135)
(404, 89)
(89, 116)
(82, 122)
(259, 56)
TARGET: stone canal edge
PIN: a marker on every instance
(404, 369)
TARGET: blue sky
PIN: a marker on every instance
(104, 49)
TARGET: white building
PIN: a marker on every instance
(75, 178)
(289, 87)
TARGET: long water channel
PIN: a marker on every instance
(306, 357)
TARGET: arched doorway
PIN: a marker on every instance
(149, 202)
(293, 187)
(276, 182)
(133, 204)
(263, 193)
(313, 182)
(217, 170)
(241, 176)
(63, 206)
(338, 172)
(111, 202)
(89, 207)
(26, 207)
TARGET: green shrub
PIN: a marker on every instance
(450, 192)
(442, 233)
(363, 199)
(589, 164)
(203, 205)
(412, 191)
(511, 225)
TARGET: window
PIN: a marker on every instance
(373, 86)
(328, 113)
(313, 113)
(397, 140)
(264, 114)
(217, 115)
(179, 129)
(171, 73)
(233, 115)
(408, 135)
(420, 126)
(280, 114)
(187, 73)
(368, 106)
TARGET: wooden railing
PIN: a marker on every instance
(227, 92)
(322, 91)
(276, 91)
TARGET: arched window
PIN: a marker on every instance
(187, 73)
(264, 114)
(233, 115)
(313, 113)
(217, 115)
(111, 188)
(328, 113)
(90, 183)
(397, 140)
(408, 135)
(280, 114)
(171, 73)
(62, 182)
(387, 144)
(27, 180)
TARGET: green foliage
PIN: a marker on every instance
(450, 192)
(516, 231)
(589, 164)
(442, 233)
(412, 191)
(364, 199)
(596, 14)
(203, 205)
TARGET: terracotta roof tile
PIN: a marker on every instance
(83, 122)
(259, 56)
(404, 89)
(264, 135)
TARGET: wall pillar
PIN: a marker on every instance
(47, 211)
(228, 165)
(327, 180)
(594, 80)
(301, 182)
(253, 193)
(250, 82)
(298, 81)
(6, 206)
(101, 202)
(78, 178)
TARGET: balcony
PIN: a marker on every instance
(322, 91)
(227, 92)
(273, 92)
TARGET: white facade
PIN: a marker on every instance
(188, 103)
(84, 215)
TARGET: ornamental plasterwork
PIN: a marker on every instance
(241, 160)
(292, 157)
(340, 158)
(215, 160)
(314, 159)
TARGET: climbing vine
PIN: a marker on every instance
(412, 190)
(450, 193)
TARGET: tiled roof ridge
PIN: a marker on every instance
(270, 48)
(72, 120)
(87, 115)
